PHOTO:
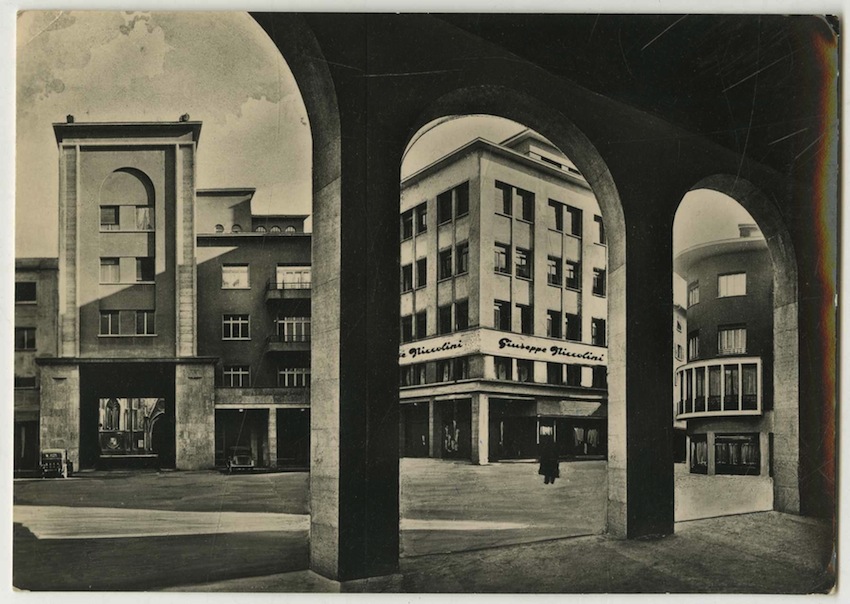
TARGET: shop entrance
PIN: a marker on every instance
(455, 425)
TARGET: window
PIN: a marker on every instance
(504, 200)
(693, 293)
(600, 377)
(274, 229)
(504, 369)
(554, 374)
(293, 377)
(501, 260)
(109, 218)
(555, 219)
(445, 370)
(693, 345)
(290, 230)
(572, 329)
(678, 326)
(572, 276)
(292, 277)
(421, 272)
(219, 228)
(413, 375)
(144, 270)
(235, 276)
(574, 216)
(523, 263)
(421, 212)
(461, 368)
(462, 255)
(527, 201)
(553, 269)
(110, 271)
(526, 318)
(732, 340)
(421, 325)
(235, 327)
(24, 381)
(599, 282)
(445, 264)
(462, 200)
(732, 285)
(679, 352)
(260, 229)
(444, 319)
(110, 323)
(730, 387)
(600, 230)
(597, 332)
(293, 329)
(553, 323)
(407, 225)
(502, 315)
(406, 329)
(524, 370)
(573, 375)
(461, 314)
(236, 376)
(699, 389)
(714, 388)
(737, 454)
(444, 207)
(237, 228)
(25, 338)
(699, 454)
(145, 324)
(407, 277)
(25, 292)
(144, 218)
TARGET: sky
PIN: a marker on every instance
(220, 68)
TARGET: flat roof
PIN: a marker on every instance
(64, 130)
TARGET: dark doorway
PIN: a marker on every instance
(241, 428)
(26, 446)
(293, 438)
(455, 429)
(415, 418)
(162, 435)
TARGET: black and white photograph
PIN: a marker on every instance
(424, 302)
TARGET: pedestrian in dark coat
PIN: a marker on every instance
(548, 461)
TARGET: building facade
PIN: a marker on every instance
(164, 339)
(725, 390)
(503, 305)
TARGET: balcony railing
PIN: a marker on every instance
(726, 386)
(288, 342)
(285, 289)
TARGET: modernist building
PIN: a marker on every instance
(725, 390)
(174, 309)
(503, 305)
(680, 344)
(35, 337)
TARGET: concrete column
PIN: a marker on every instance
(435, 432)
(480, 429)
(194, 415)
(712, 457)
(59, 424)
(786, 410)
(272, 447)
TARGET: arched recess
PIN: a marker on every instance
(524, 109)
(130, 186)
(786, 359)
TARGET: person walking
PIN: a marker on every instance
(548, 460)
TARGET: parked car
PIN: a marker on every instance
(55, 463)
(240, 459)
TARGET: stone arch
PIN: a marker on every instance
(786, 357)
(524, 109)
(127, 186)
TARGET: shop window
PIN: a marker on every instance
(599, 285)
(597, 332)
(421, 324)
(553, 268)
(444, 207)
(25, 382)
(461, 314)
(444, 319)
(503, 366)
(502, 315)
(144, 218)
(527, 205)
(109, 218)
(145, 270)
(501, 261)
(737, 454)
(573, 274)
(406, 329)
(293, 377)
(236, 376)
(693, 345)
(573, 375)
(731, 340)
(462, 256)
(525, 370)
(112, 415)
(422, 272)
(110, 271)
(555, 374)
(25, 292)
(235, 276)
(421, 212)
(235, 327)
(572, 327)
(732, 285)
(407, 278)
(693, 293)
(523, 263)
(600, 376)
(461, 370)
(526, 318)
(110, 323)
(601, 238)
(461, 199)
(504, 198)
(145, 323)
(574, 217)
(407, 225)
(699, 454)
(445, 264)
(444, 370)
(555, 217)
(553, 323)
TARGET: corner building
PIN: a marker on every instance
(503, 305)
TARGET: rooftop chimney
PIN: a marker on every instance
(184, 117)
(69, 118)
